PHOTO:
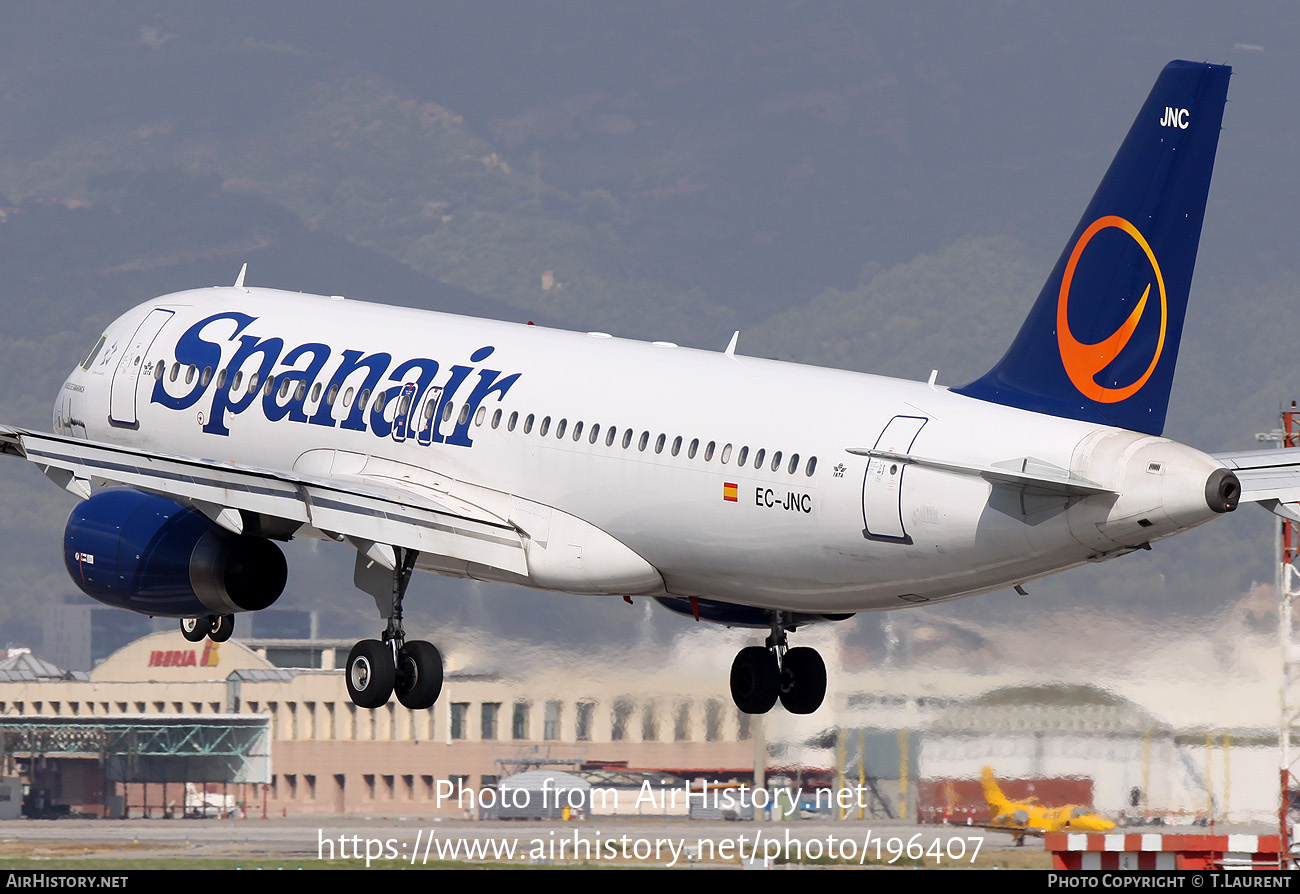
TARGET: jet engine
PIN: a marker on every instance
(155, 556)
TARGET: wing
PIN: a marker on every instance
(1270, 478)
(375, 515)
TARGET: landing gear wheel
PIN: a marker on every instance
(803, 681)
(419, 675)
(223, 628)
(370, 673)
(755, 680)
(195, 629)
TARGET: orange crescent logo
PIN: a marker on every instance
(1083, 362)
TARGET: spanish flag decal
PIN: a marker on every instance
(729, 491)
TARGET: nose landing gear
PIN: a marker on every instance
(761, 675)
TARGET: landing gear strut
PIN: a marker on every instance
(762, 674)
(377, 669)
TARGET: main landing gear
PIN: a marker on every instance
(377, 669)
(217, 628)
(762, 674)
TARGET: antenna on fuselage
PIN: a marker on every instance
(731, 345)
(239, 280)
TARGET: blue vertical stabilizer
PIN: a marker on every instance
(1101, 341)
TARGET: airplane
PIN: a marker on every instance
(1028, 817)
(205, 426)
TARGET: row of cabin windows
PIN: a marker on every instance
(760, 456)
(678, 446)
(300, 391)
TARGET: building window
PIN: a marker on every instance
(622, 714)
(459, 714)
(712, 720)
(488, 727)
(682, 722)
(582, 724)
(649, 723)
(519, 721)
(551, 721)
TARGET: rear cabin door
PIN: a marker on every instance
(882, 488)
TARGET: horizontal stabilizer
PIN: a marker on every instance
(1270, 478)
(1023, 472)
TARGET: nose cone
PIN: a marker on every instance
(1222, 490)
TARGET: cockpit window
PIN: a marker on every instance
(94, 352)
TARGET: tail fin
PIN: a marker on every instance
(1101, 342)
(998, 803)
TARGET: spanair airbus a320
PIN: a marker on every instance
(741, 491)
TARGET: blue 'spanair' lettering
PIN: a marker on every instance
(301, 368)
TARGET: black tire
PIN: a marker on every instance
(370, 673)
(755, 680)
(195, 630)
(803, 681)
(222, 628)
(419, 675)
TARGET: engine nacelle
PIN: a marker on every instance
(152, 555)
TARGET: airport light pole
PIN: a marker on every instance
(1288, 588)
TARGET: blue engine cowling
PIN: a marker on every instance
(152, 555)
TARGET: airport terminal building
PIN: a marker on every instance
(161, 713)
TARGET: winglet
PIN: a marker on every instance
(1101, 341)
(239, 280)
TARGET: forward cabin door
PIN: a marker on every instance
(126, 378)
(882, 489)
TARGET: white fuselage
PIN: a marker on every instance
(830, 531)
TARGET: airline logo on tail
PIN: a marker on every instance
(1084, 361)
(1101, 341)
